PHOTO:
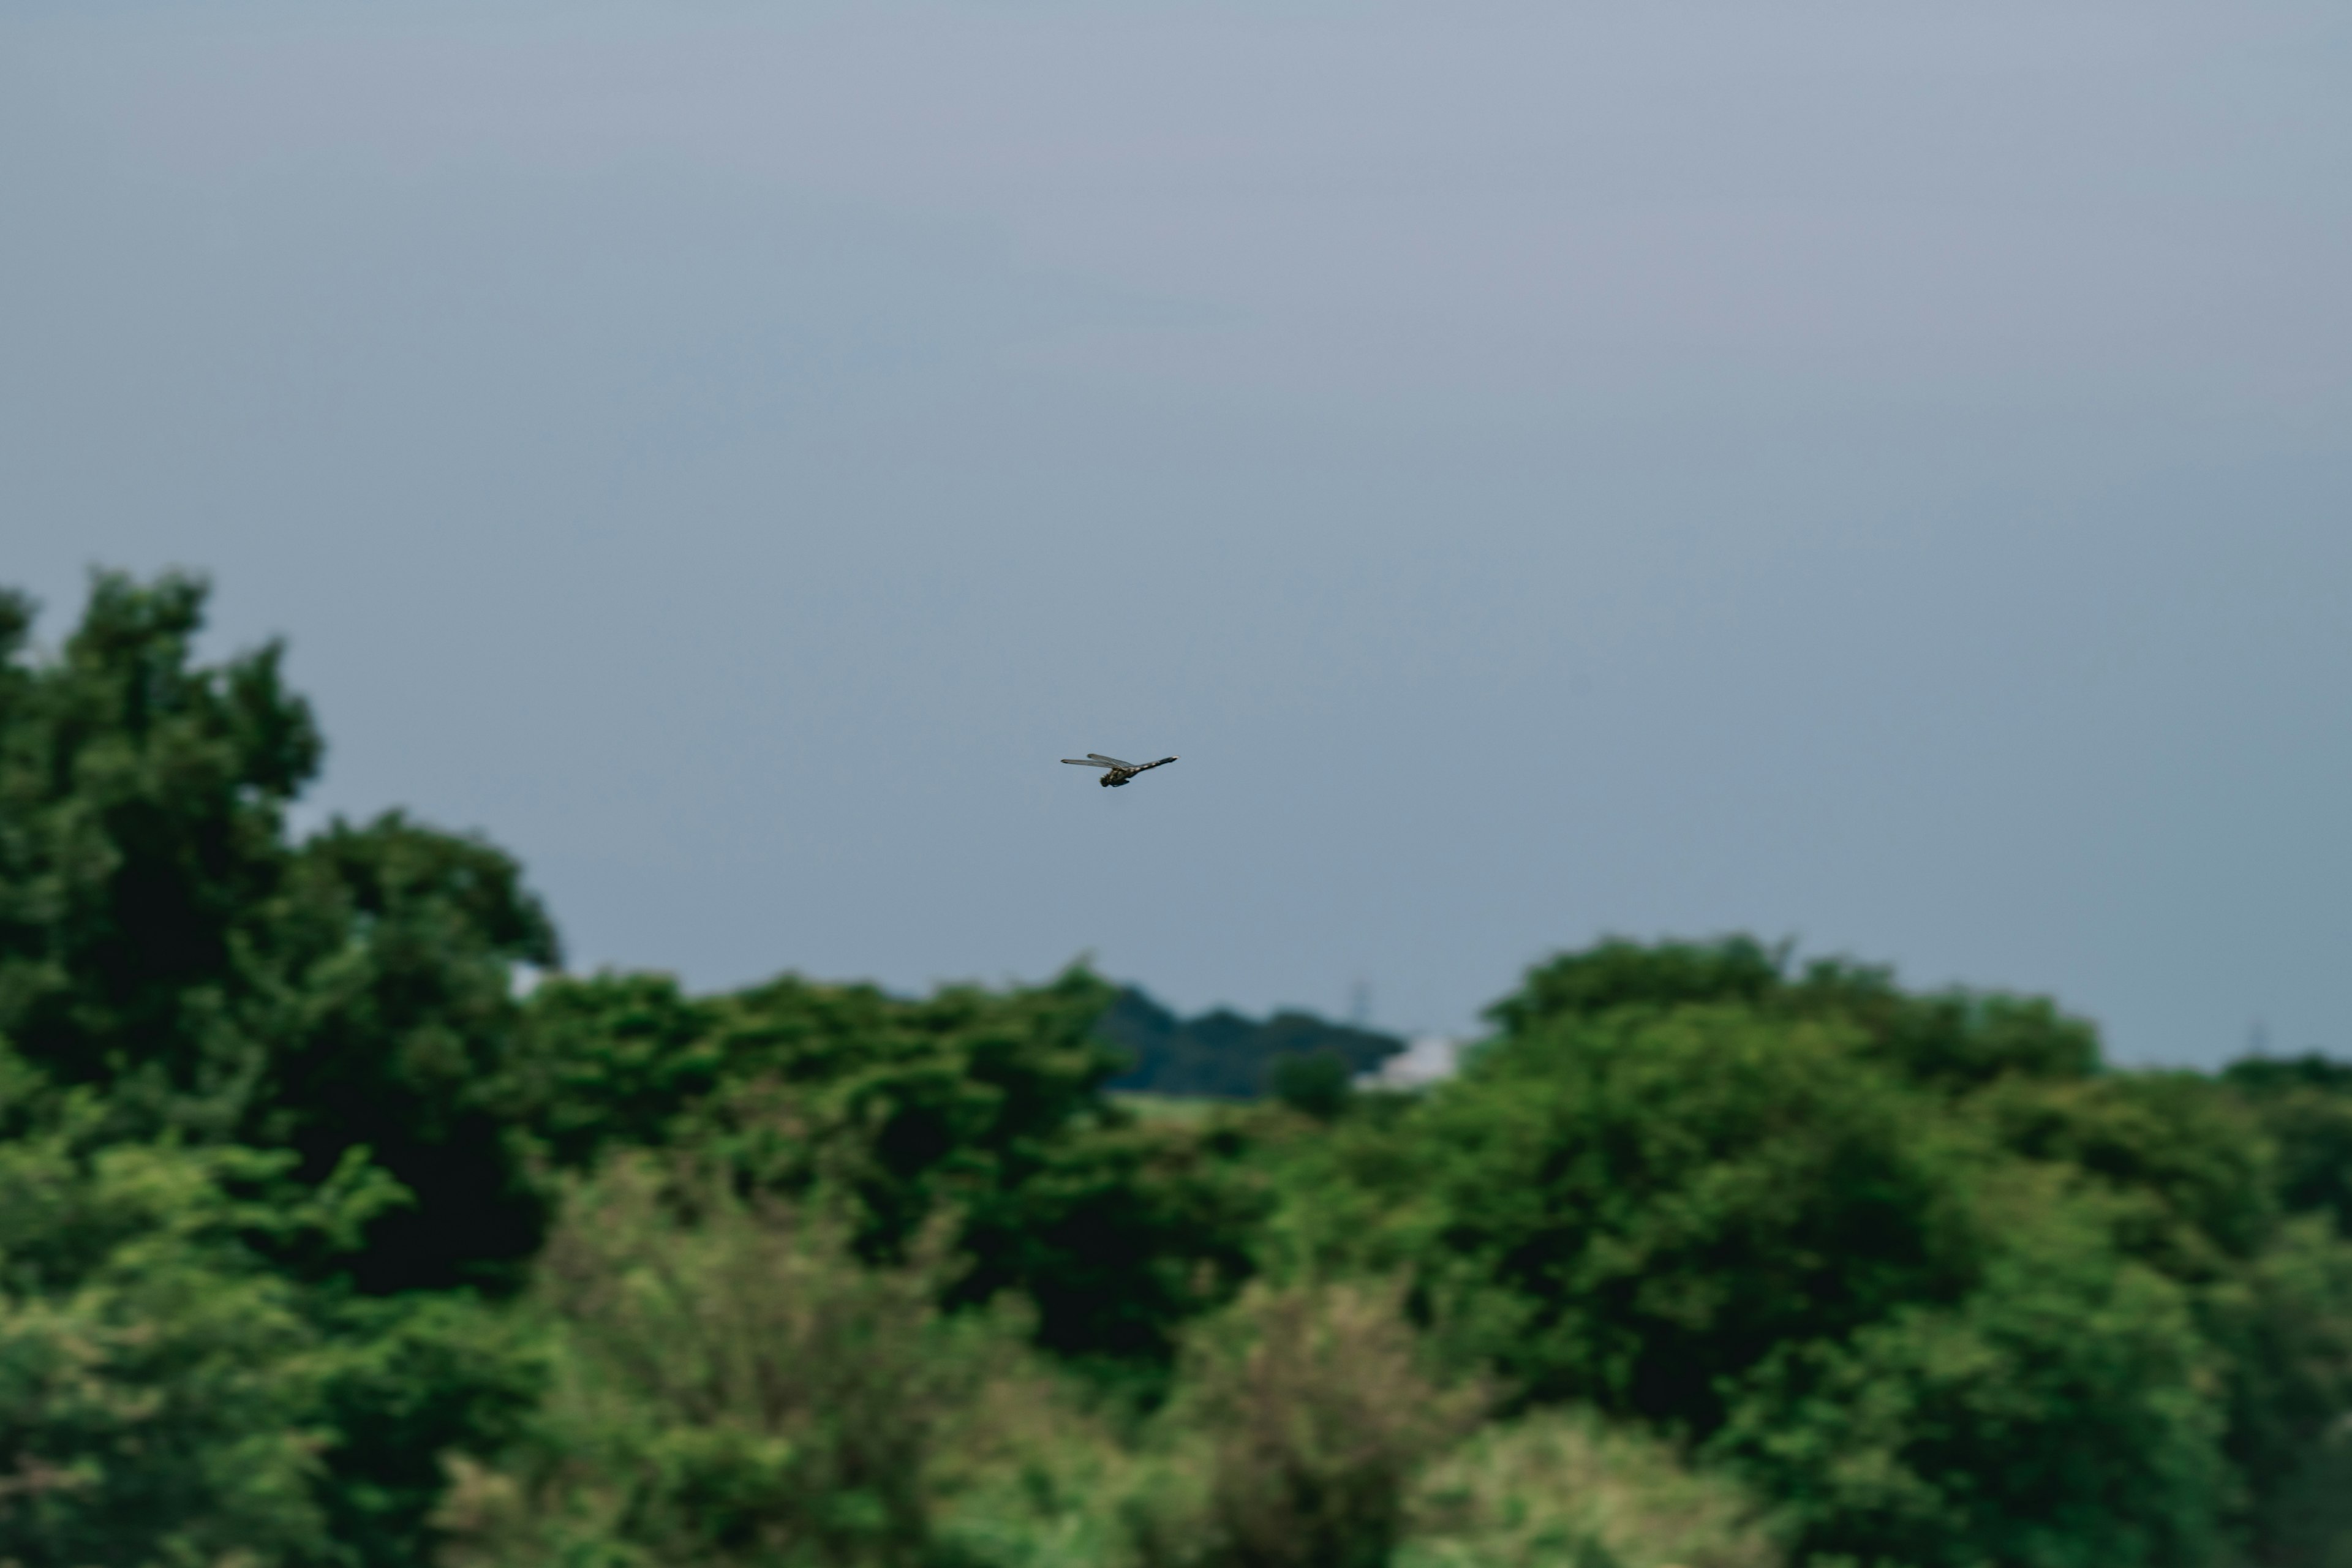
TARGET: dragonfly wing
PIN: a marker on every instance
(1082, 762)
(1101, 761)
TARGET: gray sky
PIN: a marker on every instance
(1874, 473)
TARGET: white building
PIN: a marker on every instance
(1425, 1059)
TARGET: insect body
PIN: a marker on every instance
(1115, 773)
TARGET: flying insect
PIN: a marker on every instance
(1115, 773)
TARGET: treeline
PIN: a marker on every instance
(318, 1245)
(1222, 1055)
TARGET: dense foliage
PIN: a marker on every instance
(162, 941)
(987, 1105)
(1918, 1266)
(321, 1244)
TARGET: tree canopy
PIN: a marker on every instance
(165, 941)
(322, 1244)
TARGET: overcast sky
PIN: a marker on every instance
(1878, 474)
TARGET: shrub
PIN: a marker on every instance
(1303, 1415)
(1560, 1490)
(734, 1388)
(1317, 1086)
(1039, 1470)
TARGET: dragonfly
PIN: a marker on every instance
(1116, 773)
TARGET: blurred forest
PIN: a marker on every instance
(1222, 1055)
(323, 1242)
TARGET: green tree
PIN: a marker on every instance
(1949, 1289)
(215, 1043)
(392, 949)
(2063, 1413)
(611, 1060)
(2187, 1183)
(162, 939)
(170, 1395)
(141, 837)
(2305, 1106)
(1952, 1040)
(1634, 1207)
(162, 1388)
(987, 1104)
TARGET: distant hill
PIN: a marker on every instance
(1223, 1055)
